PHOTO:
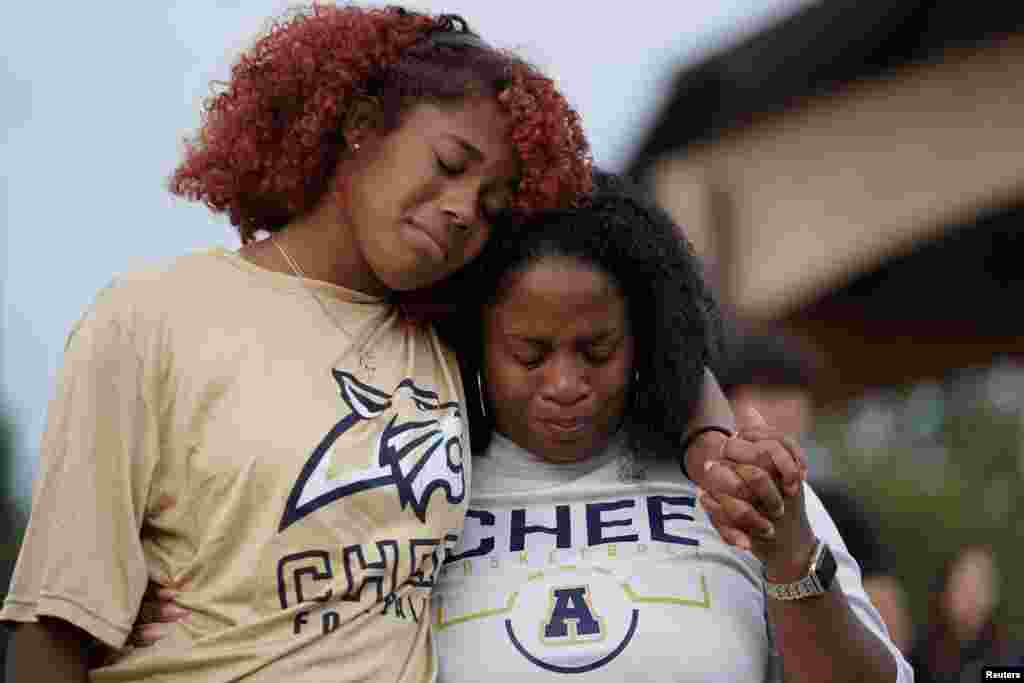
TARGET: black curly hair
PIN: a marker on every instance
(675, 319)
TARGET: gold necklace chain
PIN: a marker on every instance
(299, 273)
(364, 354)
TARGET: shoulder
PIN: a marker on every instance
(147, 298)
(197, 272)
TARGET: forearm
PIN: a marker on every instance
(50, 650)
(821, 639)
(714, 410)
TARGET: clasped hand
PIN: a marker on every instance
(752, 490)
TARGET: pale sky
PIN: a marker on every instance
(97, 96)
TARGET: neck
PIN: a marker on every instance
(555, 458)
(323, 246)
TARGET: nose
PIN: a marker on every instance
(455, 220)
(459, 206)
(565, 381)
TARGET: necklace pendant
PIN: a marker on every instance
(365, 365)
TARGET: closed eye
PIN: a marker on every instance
(600, 350)
(531, 363)
(448, 168)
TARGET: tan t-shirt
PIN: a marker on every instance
(214, 428)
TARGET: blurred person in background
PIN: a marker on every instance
(964, 632)
(774, 373)
(861, 533)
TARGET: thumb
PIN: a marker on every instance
(748, 417)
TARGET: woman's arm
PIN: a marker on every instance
(820, 638)
(708, 444)
(49, 649)
(713, 411)
(97, 456)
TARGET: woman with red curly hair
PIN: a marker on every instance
(267, 431)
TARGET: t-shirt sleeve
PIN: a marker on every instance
(81, 559)
(848, 575)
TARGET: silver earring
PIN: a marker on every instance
(480, 393)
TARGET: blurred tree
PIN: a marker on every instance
(963, 484)
(12, 518)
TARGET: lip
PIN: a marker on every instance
(435, 237)
(566, 426)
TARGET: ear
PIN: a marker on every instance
(361, 120)
(365, 401)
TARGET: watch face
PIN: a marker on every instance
(826, 568)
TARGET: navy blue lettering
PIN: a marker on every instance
(657, 516)
(571, 604)
(331, 621)
(375, 572)
(314, 564)
(486, 543)
(301, 619)
(412, 608)
(417, 576)
(595, 524)
(562, 532)
(389, 600)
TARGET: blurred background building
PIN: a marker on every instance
(854, 176)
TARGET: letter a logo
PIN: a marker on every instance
(572, 618)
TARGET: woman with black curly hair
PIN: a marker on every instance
(271, 432)
(585, 549)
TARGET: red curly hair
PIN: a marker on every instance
(270, 140)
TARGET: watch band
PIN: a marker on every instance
(820, 572)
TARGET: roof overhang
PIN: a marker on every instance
(795, 203)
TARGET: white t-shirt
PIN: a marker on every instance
(608, 568)
(213, 427)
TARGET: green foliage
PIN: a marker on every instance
(961, 485)
(12, 518)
